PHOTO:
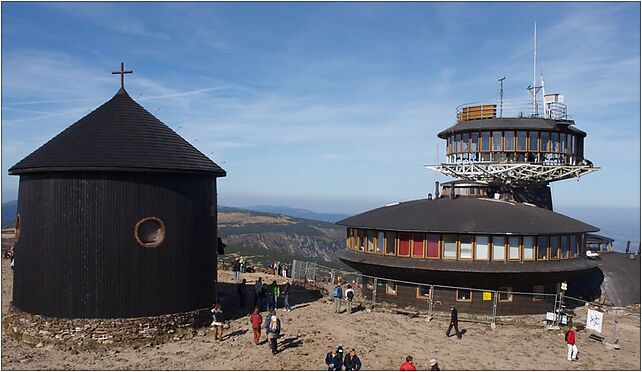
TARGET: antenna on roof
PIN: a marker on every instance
(501, 96)
(534, 89)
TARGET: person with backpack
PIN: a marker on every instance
(570, 343)
(268, 319)
(274, 331)
(286, 295)
(236, 267)
(352, 361)
(337, 293)
(256, 320)
(349, 297)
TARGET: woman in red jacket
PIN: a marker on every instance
(408, 366)
(570, 342)
(256, 320)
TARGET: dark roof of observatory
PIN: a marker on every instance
(513, 123)
(120, 135)
(467, 215)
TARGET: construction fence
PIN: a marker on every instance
(473, 304)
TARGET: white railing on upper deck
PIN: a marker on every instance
(510, 109)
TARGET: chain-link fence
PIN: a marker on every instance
(473, 304)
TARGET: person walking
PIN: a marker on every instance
(349, 297)
(454, 322)
(570, 343)
(241, 290)
(275, 292)
(285, 291)
(434, 366)
(352, 361)
(274, 331)
(257, 292)
(256, 320)
(408, 366)
(337, 294)
(268, 319)
(236, 267)
(218, 321)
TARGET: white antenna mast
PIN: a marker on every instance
(534, 89)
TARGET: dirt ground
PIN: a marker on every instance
(382, 341)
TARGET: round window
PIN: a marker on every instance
(150, 232)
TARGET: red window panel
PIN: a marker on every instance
(433, 245)
(404, 245)
(418, 245)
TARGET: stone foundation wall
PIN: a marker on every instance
(96, 332)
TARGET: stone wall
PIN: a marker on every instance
(95, 332)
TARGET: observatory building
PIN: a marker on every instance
(116, 219)
(494, 228)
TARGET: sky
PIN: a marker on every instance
(332, 107)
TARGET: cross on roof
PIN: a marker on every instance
(122, 73)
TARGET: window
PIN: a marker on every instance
(481, 247)
(497, 141)
(474, 140)
(380, 242)
(362, 240)
(450, 246)
(391, 288)
(562, 143)
(543, 142)
(423, 292)
(528, 249)
(573, 245)
(404, 245)
(555, 244)
(418, 245)
(564, 246)
(464, 295)
(509, 141)
(464, 142)
(150, 232)
(532, 141)
(499, 251)
(457, 142)
(521, 140)
(537, 290)
(371, 236)
(449, 144)
(505, 294)
(542, 245)
(555, 141)
(485, 141)
(513, 248)
(390, 243)
(465, 247)
(433, 245)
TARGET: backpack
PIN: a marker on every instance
(350, 295)
(336, 292)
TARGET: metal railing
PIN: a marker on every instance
(510, 109)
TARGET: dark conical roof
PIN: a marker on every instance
(120, 135)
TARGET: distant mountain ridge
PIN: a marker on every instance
(9, 211)
(298, 213)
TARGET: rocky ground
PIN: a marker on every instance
(382, 339)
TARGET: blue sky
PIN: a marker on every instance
(333, 107)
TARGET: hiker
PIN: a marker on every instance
(286, 295)
(236, 267)
(349, 297)
(268, 319)
(257, 292)
(241, 290)
(434, 366)
(331, 359)
(275, 292)
(218, 321)
(242, 264)
(337, 293)
(274, 331)
(352, 361)
(256, 320)
(454, 321)
(570, 342)
(339, 364)
(408, 366)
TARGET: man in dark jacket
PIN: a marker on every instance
(352, 361)
(236, 267)
(241, 290)
(331, 360)
(454, 321)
